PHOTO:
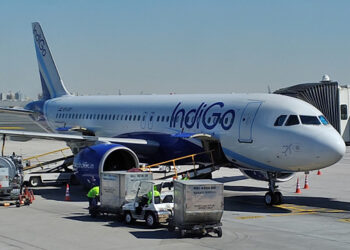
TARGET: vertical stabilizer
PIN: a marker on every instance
(51, 82)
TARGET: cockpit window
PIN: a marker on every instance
(292, 120)
(309, 120)
(280, 120)
(323, 120)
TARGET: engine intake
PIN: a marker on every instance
(91, 161)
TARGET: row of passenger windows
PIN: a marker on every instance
(109, 117)
(304, 119)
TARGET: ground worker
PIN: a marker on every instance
(150, 194)
(93, 195)
(186, 177)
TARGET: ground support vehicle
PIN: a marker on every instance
(50, 173)
(116, 189)
(148, 207)
(198, 207)
(11, 176)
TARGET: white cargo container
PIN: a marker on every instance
(198, 205)
(118, 188)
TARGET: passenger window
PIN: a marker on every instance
(134, 117)
(344, 112)
(167, 118)
(163, 118)
(292, 120)
(139, 117)
(323, 120)
(309, 120)
(158, 118)
(280, 120)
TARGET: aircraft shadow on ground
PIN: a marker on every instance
(58, 193)
(230, 178)
(245, 188)
(255, 203)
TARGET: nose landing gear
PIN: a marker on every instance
(273, 196)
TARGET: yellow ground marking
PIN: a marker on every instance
(336, 211)
(345, 220)
(249, 217)
(296, 210)
(12, 128)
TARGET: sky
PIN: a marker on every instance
(161, 47)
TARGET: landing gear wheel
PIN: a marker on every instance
(269, 199)
(35, 181)
(277, 198)
(167, 169)
(150, 220)
(128, 218)
(219, 232)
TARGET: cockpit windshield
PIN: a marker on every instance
(300, 119)
(309, 120)
(323, 120)
(280, 120)
(292, 120)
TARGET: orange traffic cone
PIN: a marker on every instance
(298, 191)
(306, 186)
(319, 172)
(67, 198)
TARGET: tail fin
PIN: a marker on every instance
(51, 82)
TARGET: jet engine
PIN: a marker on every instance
(262, 175)
(90, 161)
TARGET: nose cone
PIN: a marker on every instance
(332, 150)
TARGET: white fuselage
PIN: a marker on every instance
(243, 123)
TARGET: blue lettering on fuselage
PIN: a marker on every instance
(208, 116)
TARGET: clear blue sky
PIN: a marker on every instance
(176, 46)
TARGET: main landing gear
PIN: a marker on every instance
(273, 196)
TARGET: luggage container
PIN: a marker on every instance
(116, 189)
(198, 207)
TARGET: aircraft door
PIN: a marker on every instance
(246, 122)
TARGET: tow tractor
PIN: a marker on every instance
(150, 208)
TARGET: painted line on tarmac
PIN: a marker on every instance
(345, 220)
(250, 217)
(295, 210)
(12, 128)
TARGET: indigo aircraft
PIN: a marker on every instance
(268, 137)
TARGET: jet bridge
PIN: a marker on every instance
(331, 98)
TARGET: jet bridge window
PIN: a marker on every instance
(344, 112)
(292, 120)
(309, 120)
(280, 120)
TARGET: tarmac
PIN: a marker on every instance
(318, 218)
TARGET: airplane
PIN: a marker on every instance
(269, 137)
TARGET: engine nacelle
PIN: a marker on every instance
(262, 175)
(91, 161)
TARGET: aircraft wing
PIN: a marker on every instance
(16, 111)
(75, 138)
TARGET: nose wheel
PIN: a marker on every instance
(273, 196)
